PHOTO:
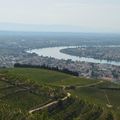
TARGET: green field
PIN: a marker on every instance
(23, 89)
(42, 76)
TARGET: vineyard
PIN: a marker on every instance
(46, 93)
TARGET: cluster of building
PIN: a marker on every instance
(84, 69)
(6, 61)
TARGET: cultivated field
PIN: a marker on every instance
(25, 89)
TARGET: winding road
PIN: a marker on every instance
(49, 104)
(89, 85)
(63, 99)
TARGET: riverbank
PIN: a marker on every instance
(83, 69)
(55, 53)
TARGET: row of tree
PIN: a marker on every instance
(64, 70)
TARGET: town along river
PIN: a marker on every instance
(55, 53)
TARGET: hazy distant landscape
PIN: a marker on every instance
(27, 89)
(60, 60)
(69, 87)
(14, 47)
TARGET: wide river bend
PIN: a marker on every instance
(55, 53)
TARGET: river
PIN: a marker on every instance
(55, 53)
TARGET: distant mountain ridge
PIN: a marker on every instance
(43, 28)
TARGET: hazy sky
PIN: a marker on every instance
(100, 15)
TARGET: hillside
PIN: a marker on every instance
(38, 94)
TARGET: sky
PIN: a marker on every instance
(81, 15)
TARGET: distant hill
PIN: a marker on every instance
(43, 28)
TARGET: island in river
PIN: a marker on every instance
(109, 53)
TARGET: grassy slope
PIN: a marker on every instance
(39, 75)
(42, 76)
(93, 95)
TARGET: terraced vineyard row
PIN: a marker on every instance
(22, 90)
